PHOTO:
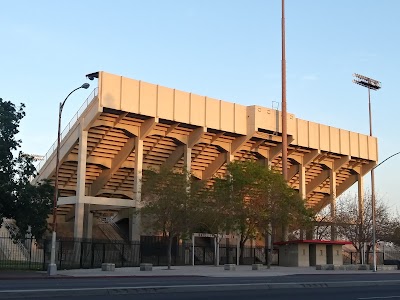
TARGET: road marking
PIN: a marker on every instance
(133, 287)
(387, 297)
(265, 284)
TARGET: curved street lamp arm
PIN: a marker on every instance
(62, 103)
(385, 160)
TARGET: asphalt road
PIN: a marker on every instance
(335, 286)
(353, 293)
(95, 282)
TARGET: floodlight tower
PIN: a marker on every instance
(371, 84)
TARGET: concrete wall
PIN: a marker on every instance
(298, 255)
(321, 254)
(337, 254)
(303, 255)
(152, 100)
(288, 255)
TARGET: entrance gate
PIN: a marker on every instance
(207, 255)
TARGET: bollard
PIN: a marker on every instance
(256, 266)
(107, 267)
(229, 267)
(146, 267)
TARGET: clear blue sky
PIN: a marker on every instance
(226, 49)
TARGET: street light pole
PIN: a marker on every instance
(52, 267)
(374, 85)
(284, 112)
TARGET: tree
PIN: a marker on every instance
(169, 203)
(28, 205)
(10, 118)
(357, 227)
(250, 198)
(323, 224)
(394, 234)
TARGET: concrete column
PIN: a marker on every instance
(187, 158)
(302, 189)
(332, 184)
(302, 181)
(88, 223)
(137, 184)
(135, 229)
(187, 161)
(230, 157)
(134, 216)
(309, 232)
(80, 185)
(360, 181)
(264, 162)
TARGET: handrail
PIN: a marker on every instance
(13, 231)
(67, 128)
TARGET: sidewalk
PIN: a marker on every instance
(95, 282)
(206, 271)
(18, 274)
(180, 271)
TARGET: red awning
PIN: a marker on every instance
(326, 242)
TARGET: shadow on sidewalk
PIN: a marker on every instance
(18, 274)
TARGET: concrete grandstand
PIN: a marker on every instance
(126, 126)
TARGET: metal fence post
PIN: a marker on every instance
(140, 252)
(81, 257)
(60, 252)
(104, 253)
(44, 255)
(122, 256)
(93, 246)
(30, 253)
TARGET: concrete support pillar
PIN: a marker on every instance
(134, 216)
(137, 184)
(88, 223)
(302, 189)
(134, 225)
(187, 158)
(264, 162)
(270, 247)
(285, 233)
(80, 185)
(360, 181)
(187, 161)
(230, 157)
(332, 184)
(302, 181)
